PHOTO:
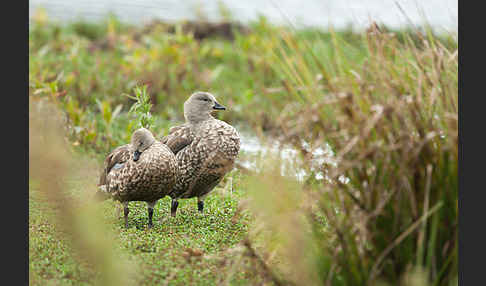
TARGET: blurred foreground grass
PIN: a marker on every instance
(191, 249)
(75, 241)
(385, 101)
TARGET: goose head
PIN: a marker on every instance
(199, 106)
(142, 139)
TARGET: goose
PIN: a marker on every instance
(144, 170)
(205, 149)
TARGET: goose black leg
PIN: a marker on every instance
(200, 205)
(125, 212)
(150, 214)
(150, 207)
(173, 207)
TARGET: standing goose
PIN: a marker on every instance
(144, 170)
(205, 149)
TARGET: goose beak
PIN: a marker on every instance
(218, 106)
(136, 155)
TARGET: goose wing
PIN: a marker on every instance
(118, 156)
(178, 138)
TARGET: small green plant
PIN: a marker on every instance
(385, 101)
(141, 108)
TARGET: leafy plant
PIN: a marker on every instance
(385, 101)
(141, 108)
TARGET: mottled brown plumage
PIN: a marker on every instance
(144, 170)
(205, 148)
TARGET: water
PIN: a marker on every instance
(255, 151)
(440, 14)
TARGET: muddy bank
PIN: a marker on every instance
(202, 29)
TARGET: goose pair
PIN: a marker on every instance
(189, 162)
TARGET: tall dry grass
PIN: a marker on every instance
(392, 121)
(390, 117)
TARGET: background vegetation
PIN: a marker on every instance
(384, 101)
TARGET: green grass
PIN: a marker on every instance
(89, 75)
(163, 252)
(385, 101)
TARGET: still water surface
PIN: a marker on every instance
(441, 14)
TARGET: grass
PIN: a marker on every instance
(385, 101)
(187, 249)
(88, 73)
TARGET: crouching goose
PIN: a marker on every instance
(205, 149)
(144, 170)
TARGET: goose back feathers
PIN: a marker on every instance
(204, 155)
(148, 179)
(205, 149)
